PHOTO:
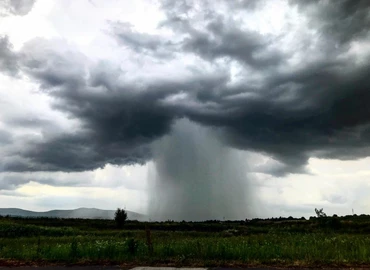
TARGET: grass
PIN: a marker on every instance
(268, 248)
(273, 244)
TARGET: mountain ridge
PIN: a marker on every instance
(82, 212)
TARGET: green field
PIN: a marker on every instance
(319, 241)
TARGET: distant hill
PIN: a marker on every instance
(89, 213)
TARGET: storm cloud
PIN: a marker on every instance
(293, 94)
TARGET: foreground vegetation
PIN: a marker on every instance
(325, 241)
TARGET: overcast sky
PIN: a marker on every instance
(87, 88)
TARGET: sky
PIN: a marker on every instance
(131, 104)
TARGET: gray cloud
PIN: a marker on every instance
(5, 137)
(219, 35)
(16, 7)
(342, 22)
(8, 59)
(336, 199)
(12, 181)
(317, 107)
(141, 42)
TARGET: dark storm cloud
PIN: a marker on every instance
(244, 47)
(317, 108)
(8, 59)
(328, 119)
(69, 153)
(115, 138)
(118, 121)
(16, 7)
(342, 20)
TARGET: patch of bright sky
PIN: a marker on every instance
(271, 19)
(16, 103)
(35, 24)
(337, 186)
(132, 199)
(360, 51)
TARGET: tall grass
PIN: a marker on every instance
(268, 248)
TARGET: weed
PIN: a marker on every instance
(74, 249)
(132, 246)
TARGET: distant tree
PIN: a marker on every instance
(120, 216)
(320, 212)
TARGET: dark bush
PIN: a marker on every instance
(120, 217)
(334, 223)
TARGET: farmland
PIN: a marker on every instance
(330, 241)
